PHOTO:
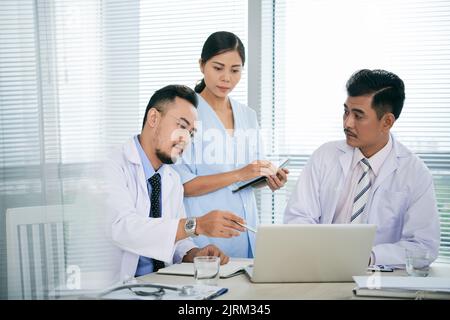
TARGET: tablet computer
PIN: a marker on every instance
(280, 164)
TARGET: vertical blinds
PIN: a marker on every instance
(75, 78)
(320, 49)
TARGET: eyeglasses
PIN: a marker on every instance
(183, 124)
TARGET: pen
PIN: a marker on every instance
(245, 226)
(218, 293)
(381, 268)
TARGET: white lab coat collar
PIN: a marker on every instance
(392, 161)
(132, 155)
(376, 161)
(346, 158)
(390, 164)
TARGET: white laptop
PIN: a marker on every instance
(311, 253)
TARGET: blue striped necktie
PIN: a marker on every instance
(362, 193)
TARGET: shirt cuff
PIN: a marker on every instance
(182, 247)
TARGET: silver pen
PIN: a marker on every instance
(246, 227)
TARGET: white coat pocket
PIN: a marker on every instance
(391, 208)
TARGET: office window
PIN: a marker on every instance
(75, 78)
(311, 49)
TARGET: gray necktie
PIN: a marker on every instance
(362, 193)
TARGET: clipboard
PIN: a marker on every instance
(283, 163)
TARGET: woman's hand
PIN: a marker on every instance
(278, 180)
(256, 169)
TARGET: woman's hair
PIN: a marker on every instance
(217, 43)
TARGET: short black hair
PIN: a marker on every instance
(168, 94)
(387, 88)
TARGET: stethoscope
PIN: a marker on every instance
(183, 291)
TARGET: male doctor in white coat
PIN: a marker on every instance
(145, 195)
(371, 177)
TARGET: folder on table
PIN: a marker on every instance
(402, 287)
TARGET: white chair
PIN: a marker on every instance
(35, 251)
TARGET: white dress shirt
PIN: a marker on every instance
(345, 204)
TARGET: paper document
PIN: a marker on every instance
(232, 268)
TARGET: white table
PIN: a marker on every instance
(240, 287)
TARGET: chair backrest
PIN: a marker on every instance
(35, 251)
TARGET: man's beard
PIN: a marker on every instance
(163, 157)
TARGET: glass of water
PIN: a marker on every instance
(417, 262)
(206, 270)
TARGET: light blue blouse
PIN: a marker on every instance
(214, 151)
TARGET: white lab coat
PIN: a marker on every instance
(128, 207)
(401, 202)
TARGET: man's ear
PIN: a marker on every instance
(153, 117)
(388, 120)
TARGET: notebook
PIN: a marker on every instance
(311, 253)
(232, 268)
(250, 183)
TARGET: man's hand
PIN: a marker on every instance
(209, 250)
(219, 224)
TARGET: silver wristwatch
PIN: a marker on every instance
(190, 226)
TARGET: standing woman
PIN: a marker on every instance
(227, 148)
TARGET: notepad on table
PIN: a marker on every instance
(232, 268)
